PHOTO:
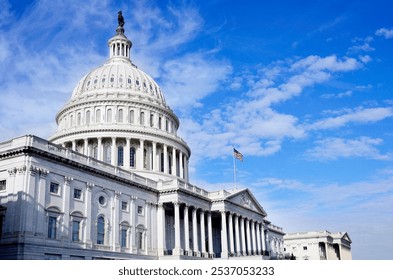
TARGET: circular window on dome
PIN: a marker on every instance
(102, 200)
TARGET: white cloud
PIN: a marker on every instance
(334, 148)
(338, 95)
(358, 115)
(385, 32)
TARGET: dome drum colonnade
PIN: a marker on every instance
(118, 114)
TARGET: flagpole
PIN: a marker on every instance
(234, 166)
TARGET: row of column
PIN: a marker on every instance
(177, 165)
(255, 231)
(244, 240)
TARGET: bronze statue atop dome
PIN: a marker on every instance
(120, 19)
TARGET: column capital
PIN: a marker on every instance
(68, 179)
(89, 186)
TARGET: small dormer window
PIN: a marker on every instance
(137, 82)
(112, 79)
(144, 84)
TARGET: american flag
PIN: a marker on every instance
(237, 154)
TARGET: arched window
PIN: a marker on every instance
(159, 122)
(131, 117)
(107, 154)
(139, 237)
(166, 125)
(120, 156)
(124, 226)
(87, 117)
(100, 230)
(109, 115)
(76, 219)
(53, 215)
(78, 118)
(162, 162)
(145, 158)
(95, 152)
(142, 118)
(120, 116)
(151, 120)
(132, 156)
(98, 116)
(71, 120)
(170, 165)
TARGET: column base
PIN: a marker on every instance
(177, 252)
(224, 255)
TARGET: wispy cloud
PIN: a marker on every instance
(358, 115)
(385, 32)
(335, 148)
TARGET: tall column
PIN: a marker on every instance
(230, 228)
(127, 154)
(160, 229)
(113, 151)
(166, 170)
(186, 230)
(177, 249)
(224, 236)
(254, 241)
(99, 148)
(66, 208)
(210, 233)
(248, 237)
(87, 224)
(181, 172)
(148, 228)
(174, 169)
(237, 235)
(203, 240)
(133, 213)
(244, 250)
(115, 228)
(258, 238)
(141, 154)
(194, 231)
(154, 157)
(85, 147)
(263, 237)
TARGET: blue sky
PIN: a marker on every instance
(303, 89)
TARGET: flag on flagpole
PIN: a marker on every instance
(237, 154)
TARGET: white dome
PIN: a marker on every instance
(120, 75)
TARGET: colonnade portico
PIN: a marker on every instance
(197, 235)
(134, 153)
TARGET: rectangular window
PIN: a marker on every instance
(3, 185)
(123, 238)
(305, 248)
(75, 230)
(54, 187)
(124, 205)
(77, 194)
(140, 210)
(52, 227)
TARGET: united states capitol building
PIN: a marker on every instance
(113, 182)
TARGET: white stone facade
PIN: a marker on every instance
(318, 245)
(113, 182)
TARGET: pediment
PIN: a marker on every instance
(246, 199)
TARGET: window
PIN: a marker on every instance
(124, 205)
(107, 154)
(95, 152)
(109, 115)
(3, 185)
(120, 115)
(77, 193)
(100, 230)
(131, 116)
(159, 122)
(140, 240)
(54, 188)
(132, 156)
(142, 117)
(145, 158)
(52, 227)
(101, 200)
(151, 120)
(162, 162)
(78, 119)
(166, 125)
(305, 248)
(98, 116)
(140, 210)
(88, 117)
(75, 230)
(123, 238)
(120, 156)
